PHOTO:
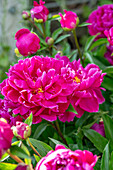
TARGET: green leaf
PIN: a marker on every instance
(48, 28)
(84, 24)
(56, 33)
(40, 129)
(18, 151)
(98, 42)
(98, 140)
(111, 162)
(37, 157)
(29, 120)
(56, 142)
(7, 166)
(81, 120)
(108, 126)
(89, 42)
(105, 158)
(89, 56)
(42, 147)
(108, 83)
(62, 38)
(108, 69)
(71, 109)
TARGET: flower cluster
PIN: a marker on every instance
(46, 87)
(101, 20)
(66, 159)
(6, 136)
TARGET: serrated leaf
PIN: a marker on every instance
(62, 38)
(105, 158)
(42, 147)
(98, 140)
(15, 150)
(56, 142)
(84, 24)
(56, 33)
(40, 129)
(98, 42)
(29, 120)
(7, 166)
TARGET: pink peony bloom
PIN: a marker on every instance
(6, 136)
(109, 35)
(66, 159)
(40, 12)
(40, 85)
(27, 42)
(99, 128)
(6, 111)
(21, 130)
(101, 20)
(87, 94)
(69, 21)
(108, 55)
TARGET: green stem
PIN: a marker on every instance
(60, 133)
(77, 44)
(33, 148)
(17, 159)
(36, 27)
(43, 28)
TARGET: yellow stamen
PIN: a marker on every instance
(77, 79)
(40, 90)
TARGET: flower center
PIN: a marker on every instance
(76, 79)
(40, 90)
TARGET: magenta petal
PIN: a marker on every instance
(67, 116)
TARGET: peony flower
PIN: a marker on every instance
(101, 20)
(22, 166)
(87, 94)
(6, 111)
(108, 55)
(21, 130)
(39, 12)
(69, 21)
(27, 42)
(99, 128)
(65, 159)
(6, 136)
(40, 85)
(109, 35)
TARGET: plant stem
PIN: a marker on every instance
(36, 27)
(33, 148)
(14, 157)
(60, 133)
(43, 28)
(77, 44)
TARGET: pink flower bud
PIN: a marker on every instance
(109, 35)
(27, 42)
(22, 166)
(99, 128)
(21, 130)
(49, 41)
(25, 15)
(69, 21)
(39, 11)
(6, 136)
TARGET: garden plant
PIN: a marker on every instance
(56, 105)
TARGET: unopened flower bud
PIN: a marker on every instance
(38, 20)
(21, 130)
(49, 41)
(17, 52)
(22, 166)
(25, 15)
